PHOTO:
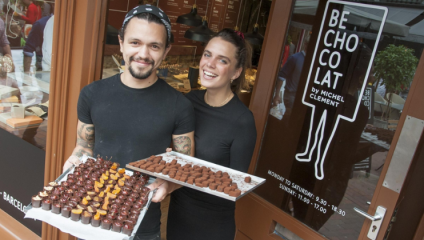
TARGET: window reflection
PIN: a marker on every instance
(296, 135)
(26, 36)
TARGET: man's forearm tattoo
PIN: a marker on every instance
(81, 152)
(86, 132)
(183, 145)
(85, 144)
(89, 134)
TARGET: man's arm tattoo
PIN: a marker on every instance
(89, 135)
(81, 152)
(183, 145)
(86, 131)
(85, 144)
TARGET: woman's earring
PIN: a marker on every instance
(232, 81)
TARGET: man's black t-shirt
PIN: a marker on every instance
(131, 124)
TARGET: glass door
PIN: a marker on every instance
(346, 71)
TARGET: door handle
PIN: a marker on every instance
(376, 217)
(376, 220)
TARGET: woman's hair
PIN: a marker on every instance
(243, 53)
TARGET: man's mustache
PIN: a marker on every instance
(146, 60)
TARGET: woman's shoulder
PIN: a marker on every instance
(242, 113)
(195, 95)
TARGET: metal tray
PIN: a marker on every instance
(55, 218)
(236, 176)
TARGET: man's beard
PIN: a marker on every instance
(141, 75)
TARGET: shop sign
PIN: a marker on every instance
(21, 176)
(340, 68)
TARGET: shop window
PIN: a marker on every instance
(339, 95)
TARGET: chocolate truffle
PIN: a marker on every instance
(220, 188)
(235, 193)
(248, 179)
(227, 190)
(213, 186)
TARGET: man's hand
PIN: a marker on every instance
(85, 144)
(164, 188)
(72, 160)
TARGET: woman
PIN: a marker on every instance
(225, 134)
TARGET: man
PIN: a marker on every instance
(290, 72)
(135, 115)
(4, 42)
(34, 43)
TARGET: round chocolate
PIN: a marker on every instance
(86, 217)
(70, 181)
(75, 217)
(66, 211)
(125, 208)
(117, 226)
(121, 218)
(36, 201)
(56, 207)
(122, 197)
(46, 204)
(95, 222)
(72, 203)
(54, 197)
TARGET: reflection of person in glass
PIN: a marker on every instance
(225, 134)
(34, 43)
(4, 42)
(290, 72)
(134, 115)
(33, 12)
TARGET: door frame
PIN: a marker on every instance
(255, 217)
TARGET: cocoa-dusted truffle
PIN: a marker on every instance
(235, 193)
(227, 190)
(205, 184)
(248, 179)
(213, 186)
(190, 180)
(36, 201)
(220, 188)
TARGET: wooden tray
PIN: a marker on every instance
(236, 176)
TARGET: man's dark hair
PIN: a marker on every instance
(149, 18)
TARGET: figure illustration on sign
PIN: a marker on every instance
(336, 81)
